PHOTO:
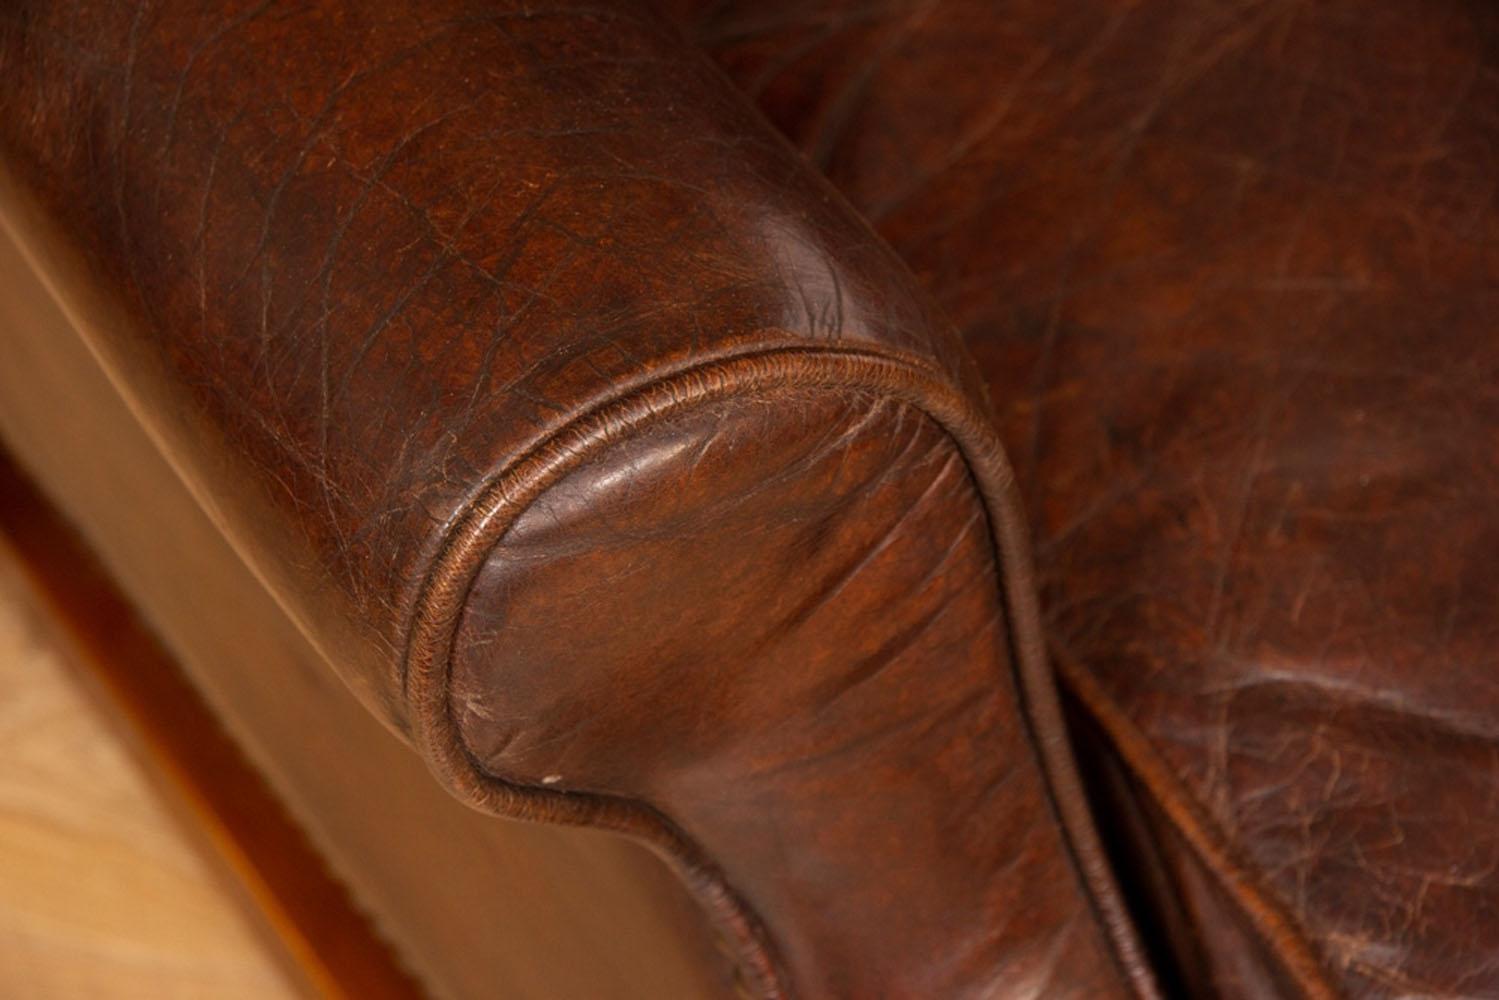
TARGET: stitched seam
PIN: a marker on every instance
(1275, 926)
(473, 534)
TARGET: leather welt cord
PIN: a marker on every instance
(474, 533)
(1276, 927)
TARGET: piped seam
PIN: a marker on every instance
(484, 520)
(1277, 929)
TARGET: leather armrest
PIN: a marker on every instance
(595, 442)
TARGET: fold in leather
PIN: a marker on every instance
(381, 277)
(1229, 271)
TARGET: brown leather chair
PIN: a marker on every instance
(629, 433)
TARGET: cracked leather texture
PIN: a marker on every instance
(379, 251)
(1230, 270)
(837, 714)
(362, 263)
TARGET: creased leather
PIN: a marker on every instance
(376, 266)
(380, 250)
(852, 728)
(1229, 270)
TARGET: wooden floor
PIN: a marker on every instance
(103, 894)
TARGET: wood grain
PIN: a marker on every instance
(101, 893)
(307, 915)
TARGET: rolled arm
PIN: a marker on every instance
(595, 442)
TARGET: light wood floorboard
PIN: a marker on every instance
(102, 894)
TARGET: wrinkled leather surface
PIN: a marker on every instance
(1230, 269)
(361, 260)
(1205, 939)
(794, 613)
(378, 251)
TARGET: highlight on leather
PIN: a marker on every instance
(379, 278)
(1227, 271)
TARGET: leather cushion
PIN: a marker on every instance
(1230, 271)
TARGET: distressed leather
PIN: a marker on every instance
(1229, 269)
(799, 634)
(597, 444)
(612, 459)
